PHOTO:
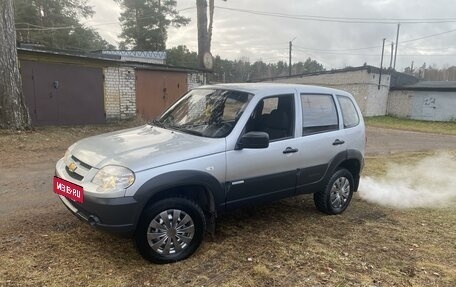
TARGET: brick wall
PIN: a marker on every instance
(120, 93)
(400, 103)
(361, 84)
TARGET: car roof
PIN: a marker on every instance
(256, 88)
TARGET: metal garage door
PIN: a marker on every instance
(158, 90)
(61, 94)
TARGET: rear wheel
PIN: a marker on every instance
(336, 196)
(170, 230)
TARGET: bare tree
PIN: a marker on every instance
(13, 112)
(201, 6)
(204, 30)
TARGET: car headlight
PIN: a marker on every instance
(113, 178)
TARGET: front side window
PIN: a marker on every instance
(274, 116)
(206, 112)
(319, 114)
(349, 113)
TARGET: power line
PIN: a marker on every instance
(343, 19)
(427, 36)
(430, 49)
(378, 55)
(375, 47)
(42, 28)
(336, 50)
(340, 53)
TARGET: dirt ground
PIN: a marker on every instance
(386, 141)
(287, 243)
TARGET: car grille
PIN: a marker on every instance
(80, 162)
(81, 170)
(73, 174)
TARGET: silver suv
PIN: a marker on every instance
(218, 148)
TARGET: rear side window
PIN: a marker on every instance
(319, 114)
(349, 113)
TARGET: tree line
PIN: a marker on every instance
(56, 24)
(144, 26)
(432, 72)
(242, 70)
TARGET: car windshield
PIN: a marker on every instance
(206, 112)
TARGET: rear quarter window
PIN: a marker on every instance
(349, 112)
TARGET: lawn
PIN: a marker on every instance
(412, 125)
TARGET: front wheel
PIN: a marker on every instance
(170, 230)
(336, 196)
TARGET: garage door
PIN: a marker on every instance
(157, 90)
(61, 94)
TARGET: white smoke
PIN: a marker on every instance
(431, 182)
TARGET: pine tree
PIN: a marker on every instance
(56, 24)
(13, 112)
(144, 23)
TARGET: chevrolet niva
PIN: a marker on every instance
(218, 148)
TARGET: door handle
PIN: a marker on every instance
(338, 142)
(290, 150)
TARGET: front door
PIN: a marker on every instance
(260, 175)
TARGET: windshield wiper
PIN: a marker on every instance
(189, 131)
(158, 124)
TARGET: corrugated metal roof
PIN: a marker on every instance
(152, 57)
(158, 55)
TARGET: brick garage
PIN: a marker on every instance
(362, 82)
(119, 93)
(426, 100)
(110, 94)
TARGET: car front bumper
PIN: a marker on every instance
(118, 215)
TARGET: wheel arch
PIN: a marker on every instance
(352, 160)
(354, 164)
(201, 187)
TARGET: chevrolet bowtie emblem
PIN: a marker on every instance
(72, 167)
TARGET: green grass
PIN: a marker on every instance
(448, 128)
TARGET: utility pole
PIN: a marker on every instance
(392, 53)
(289, 59)
(397, 44)
(381, 64)
(289, 56)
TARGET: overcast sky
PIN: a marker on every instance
(237, 34)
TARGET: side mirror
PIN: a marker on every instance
(253, 140)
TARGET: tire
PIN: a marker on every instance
(161, 242)
(337, 194)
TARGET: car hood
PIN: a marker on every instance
(143, 148)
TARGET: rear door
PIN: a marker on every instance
(260, 175)
(321, 139)
(353, 125)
